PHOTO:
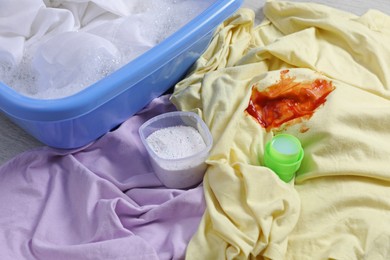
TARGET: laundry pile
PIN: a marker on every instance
(338, 206)
(103, 201)
(55, 48)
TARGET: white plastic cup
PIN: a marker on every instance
(183, 172)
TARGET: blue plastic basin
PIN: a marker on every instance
(79, 119)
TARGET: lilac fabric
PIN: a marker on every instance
(99, 202)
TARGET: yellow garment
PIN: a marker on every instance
(338, 206)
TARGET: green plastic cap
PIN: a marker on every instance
(284, 154)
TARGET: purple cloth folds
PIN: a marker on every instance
(98, 202)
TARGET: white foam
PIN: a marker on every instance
(64, 61)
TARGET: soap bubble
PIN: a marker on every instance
(65, 61)
(73, 59)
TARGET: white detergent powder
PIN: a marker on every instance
(55, 48)
(176, 142)
(183, 143)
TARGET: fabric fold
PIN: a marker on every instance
(327, 211)
(101, 201)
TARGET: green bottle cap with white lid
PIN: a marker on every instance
(283, 154)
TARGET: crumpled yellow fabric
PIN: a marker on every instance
(338, 206)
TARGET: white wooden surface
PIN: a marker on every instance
(14, 140)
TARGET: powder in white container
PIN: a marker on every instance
(177, 146)
(176, 142)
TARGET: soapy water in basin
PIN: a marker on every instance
(62, 57)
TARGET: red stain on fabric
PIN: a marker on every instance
(287, 100)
